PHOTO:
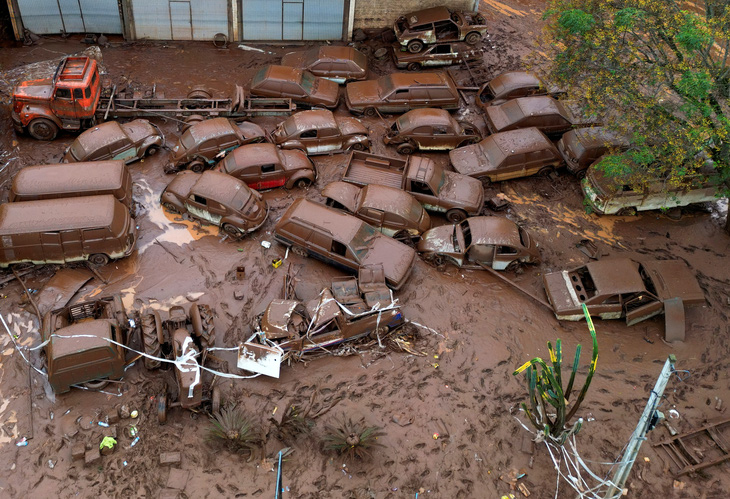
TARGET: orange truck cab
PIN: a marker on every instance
(68, 101)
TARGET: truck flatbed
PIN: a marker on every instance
(364, 169)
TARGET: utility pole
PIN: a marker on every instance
(648, 421)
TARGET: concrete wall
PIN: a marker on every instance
(382, 13)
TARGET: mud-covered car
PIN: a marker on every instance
(430, 129)
(342, 240)
(613, 288)
(582, 147)
(346, 311)
(80, 349)
(206, 142)
(265, 166)
(480, 242)
(550, 116)
(512, 85)
(302, 87)
(334, 62)
(111, 140)
(216, 198)
(401, 92)
(439, 54)
(438, 24)
(506, 155)
(320, 132)
(392, 211)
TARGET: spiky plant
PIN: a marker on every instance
(545, 384)
(234, 429)
(352, 439)
(294, 422)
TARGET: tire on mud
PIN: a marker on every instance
(456, 215)
(201, 317)
(299, 251)
(99, 259)
(42, 129)
(151, 339)
(162, 408)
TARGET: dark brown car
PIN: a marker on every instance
(430, 129)
(438, 24)
(550, 116)
(401, 92)
(512, 85)
(582, 147)
(302, 87)
(265, 166)
(334, 62)
(111, 140)
(320, 132)
(343, 241)
(439, 54)
(205, 142)
(506, 155)
(392, 211)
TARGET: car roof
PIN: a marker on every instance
(255, 154)
(388, 199)
(520, 141)
(596, 136)
(514, 79)
(283, 73)
(101, 135)
(411, 79)
(427, 116)
(428, 15)
(616, 276)
(538, 105)
(340, 225)
(41, 179)
(211, 128)
(335, 52)
(218, 186)
(88, 335)
(53, 215)
(315, 118)
(494, 230)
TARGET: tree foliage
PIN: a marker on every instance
(657, 70)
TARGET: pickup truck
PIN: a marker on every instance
(438, 190)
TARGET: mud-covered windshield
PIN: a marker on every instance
(360, 243)
(493, 154)
(187, 140)
(309, 82)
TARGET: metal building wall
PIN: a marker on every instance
(179, 19)
(70, 16)
(292, 19)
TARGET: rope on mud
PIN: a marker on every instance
(18, 347)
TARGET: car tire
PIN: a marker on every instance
(99, 259)
(152, 150)
(370, 112)
(303, 183)
(357, 146)
(404, 237)
(196, 166)
(151, 341)
(162, 408)
(299, 251)
(580, 174)
(513, 266)
(201, 317)
(42, 129)
(437, 260)
(200, 92)
(473, 38)
(456, 215)
(191, 120)
(415, 46)
(406, 148)
(413, 66)
(545, 171)
(215, 400)
(170, 207)
(96, 384)
(232, 230)
(629, 211)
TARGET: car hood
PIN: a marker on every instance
(350, 126)
(560, 293)
(469, 160)
(466, 191)
(344, 193)
(674, 279)
(396, 258)
(251, 131)
(182, 183)
(293, 59)
(327, 93)
(362, 92)
(295, 160)
(34, 89)
(138, 130)
(437, 240)
(498, 118)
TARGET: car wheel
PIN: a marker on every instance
(162, 408)
(298, 250)
(406, 148)
(215, 399)
(170, 207)
(437, 260)
(626, 212)
(303, 183)
(545, 171)
(232, 230)
(513, 266)
(191, 120)
(413, 66)
(197, 166)
(152, 150)
(455, 215)
(200, 93)
(151, 341)
(369, 112)
(97, 384)
(580, 174)
(358, 146)
(415, 46)
(404, 237)
(473, 38)
(42, 129)
(99, 259)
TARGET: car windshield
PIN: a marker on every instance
(309, 82)
(493, 154)
(360, 243)
(258, 77)
(241, 199)
(403, 123)
(77, 150)
(187, 140)
(438, 179)
(513, 111)
(466, 231)
(385, 85)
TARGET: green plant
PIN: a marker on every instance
(294, 422)
(545, 385)
(353, 439)
(234, 429)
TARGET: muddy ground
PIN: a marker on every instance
(461, 387)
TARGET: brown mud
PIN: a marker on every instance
(462, 388)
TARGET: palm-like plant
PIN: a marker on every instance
(353, 439)
(234, 429)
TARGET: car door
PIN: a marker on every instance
(483, 254)
(396, 101)
(372, 216)
(225, 144)
(640, 307)
(270, 176)
(445, 137)
(123, 149)
(422, 136)
(535, 160)
(330, 139)
(293, 91)
(425, 195)
(420, 97)
(197, 206)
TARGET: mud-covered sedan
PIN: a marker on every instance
(111, 140)
(480, 242)
(334, 62)
(550, 116)
(218, 199)
(265, 166)
(320, 132)
(430, 129)
(300, 86)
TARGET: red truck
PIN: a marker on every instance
(436, 189)
(72, 100)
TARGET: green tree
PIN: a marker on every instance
(657, 70)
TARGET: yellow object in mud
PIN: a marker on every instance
(109, 442)
(276, 263)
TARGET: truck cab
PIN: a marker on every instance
(66, 101)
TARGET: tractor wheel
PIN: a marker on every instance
(201, 317)
(151, 339)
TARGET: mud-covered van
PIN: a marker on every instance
(70, 180)
(611, 196)
(93, 228)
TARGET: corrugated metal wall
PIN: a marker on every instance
(179, 19)
(70, 16)
(292, 19)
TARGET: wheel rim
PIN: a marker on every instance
(298, 250)
(99, 259)
(473, 38)
(406, 149)
(357, 147)
(455, 216)
(231, 230)
(370, 111)
(415, 47)
(197, 166)
(151, 150)
(414, 66)
(303, 183)
(43, 130)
